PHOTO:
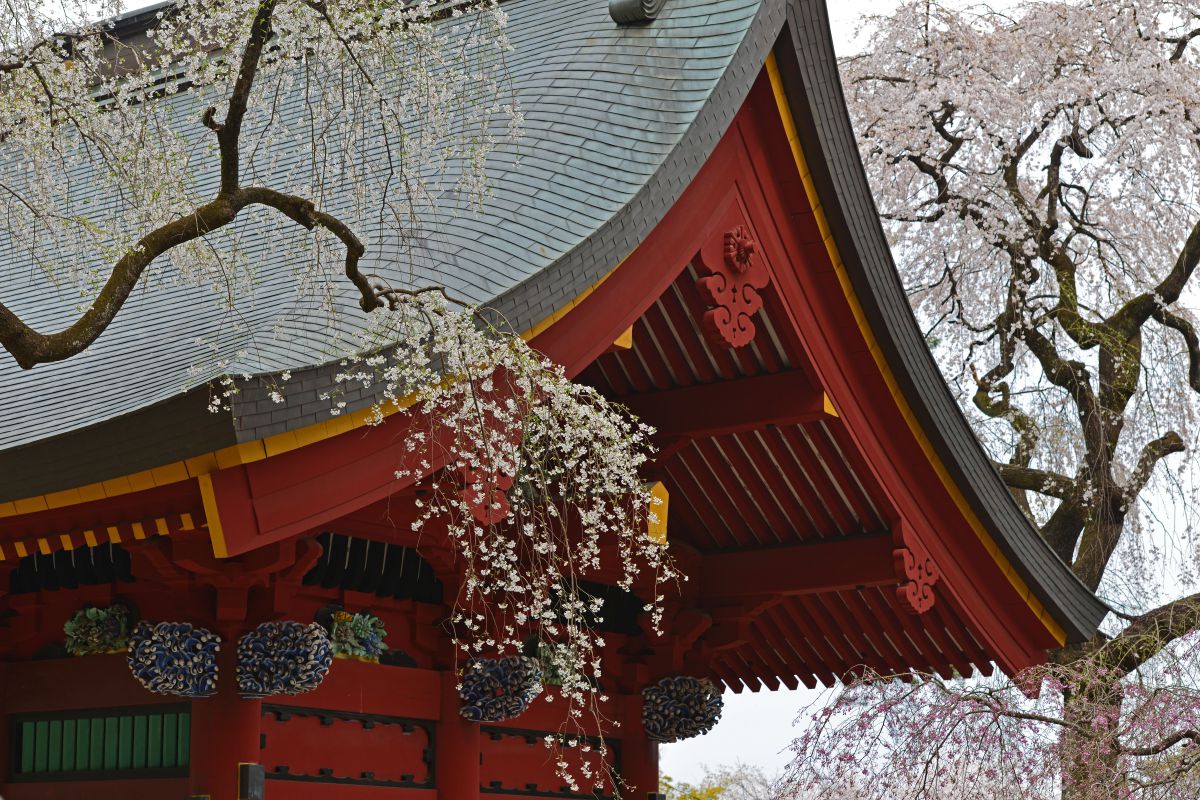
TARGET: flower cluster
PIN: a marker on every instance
(174, 658)
(358, 635)
(283, 658)
(1081, 729)
(95, 631)
(533, 478)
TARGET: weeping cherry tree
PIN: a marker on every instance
(1036, 168)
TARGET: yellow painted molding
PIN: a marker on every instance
(827, 405)
(656, 529)
(249, 452)
(30, 505)
(216, 533)
(545, 324)
(69, 497)
(976, 525)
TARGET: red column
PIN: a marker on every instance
(224, 733)
(456, 770)
(639, 755)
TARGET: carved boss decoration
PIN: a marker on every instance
(736, 272)
(916, 571)
(484, 493)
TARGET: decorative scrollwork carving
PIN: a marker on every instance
(94, 630)
(732, 288)
(174, 658)
(739, 249)
(499, 689)
(679, 708)
(360, 636)
(283, 657)
(917, 574)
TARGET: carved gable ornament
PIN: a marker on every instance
(915, 570)
(733, 272)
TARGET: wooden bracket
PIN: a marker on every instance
(732, 406)
(916, 571)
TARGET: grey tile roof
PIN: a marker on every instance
(619, 120)
(606, 108)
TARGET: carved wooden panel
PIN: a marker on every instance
(736, 272)
(917, 573)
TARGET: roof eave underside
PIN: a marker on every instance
(808, 66)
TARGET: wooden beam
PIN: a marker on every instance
(825, 566)
(730, 406)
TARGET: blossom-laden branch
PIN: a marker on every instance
(535, 481)
(920, 736)
(265, 77)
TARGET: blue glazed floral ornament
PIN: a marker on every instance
(680, 708)
(283, 658)
(499, 689)
(175, 658)
(95, 631)
(359, 636)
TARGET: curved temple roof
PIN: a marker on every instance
(618, 122)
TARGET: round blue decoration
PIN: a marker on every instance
(174, 658)
(499, 689)
(680, 708)
(283, 658)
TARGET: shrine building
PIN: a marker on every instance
(688, 229)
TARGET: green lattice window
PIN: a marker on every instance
(102, 743)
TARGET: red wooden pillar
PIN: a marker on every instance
(5, 745)
(224, 733)
(639, 755)
(457, 755)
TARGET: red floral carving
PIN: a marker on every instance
(917, 574)
(484, 493)
(731, 288)
(739, 249)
